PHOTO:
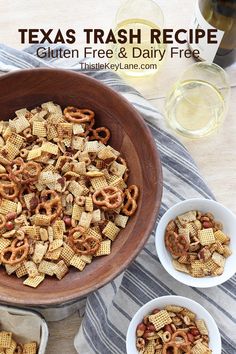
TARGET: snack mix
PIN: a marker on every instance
(172, 330)
(63, 192)
(197, 244)
(10, 346)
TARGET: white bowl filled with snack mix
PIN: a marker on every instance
(196, 243)
(173, 324)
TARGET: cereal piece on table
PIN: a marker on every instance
(77, 262)
(180, 266)
(206, 236)
(4, 243)
(200, 348)
(54, 255)
(87, 258)
(55, 244)
(75, 188)
(60, 269)
(220, 236)
(201, 326)
(88, 204)
(5, 339)
(67, 253)
(34, 282)
(42, 220)
(218, 259)
(21, 271)
(99, 182)
(111, 230)
(20, 124)
(85, 219)
(121, 220)
(50, 148)
(39, 252)
(160, 319)
(39, 129)
(58, 229)
(104, 248)
(96, 216)
(16, 139)
(7, 206)
(187, 217)
(77, 211)
(32, 269)
(30, 348)
(174, 308)
(34, 154)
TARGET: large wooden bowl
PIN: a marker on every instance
(130, 135)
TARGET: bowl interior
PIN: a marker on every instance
(214, 335)
(29, 88)
(221, 214)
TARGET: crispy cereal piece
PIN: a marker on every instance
(211, 266)
(202, 327)
(77, 211)
(121, 220)
(111, 231)
(85, 220)
(11, 349)
(7, 206)
(46, 267)
(221, 237)
(54, 255)
(31, 268)
(67, 253)
(58, 229)
(187, 217)
(55, 244)
(30, 348)
(87, 258)
(174, 308)
(218, 259)
(160, 319)
(104, 248)
(88, 204)
(200, 348)
(93, 233)
(96, 216)
(91, 146)
(34, 282)
(99, 182)
(39, 252)
(10, 269)
(75, 188)
(227, 251)
(206, 236)
(39, 129)
(77, 262)
(196, 269)
(42, 220)
(190, 314)
(20, 124)
(5, 339)
(21, 271)
(180, 266)
(49, 148)
(34, 154)
(60, 269)
(4, 243)
(16, 140)
(150, 347)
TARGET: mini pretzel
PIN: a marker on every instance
(101, 134)
(178, 245)
(16, 252)
(108, 197)
(76, 115)
(83, 245)
(24, 173)
(130, 197)
(51, 205)
(177, 345)
(8, 189)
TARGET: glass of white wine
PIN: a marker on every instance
(143, 15)
(197, 104)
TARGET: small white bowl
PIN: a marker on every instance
(222, 214)
(161, 302)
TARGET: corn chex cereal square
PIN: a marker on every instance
(50, 148)
(187, 217)
(88, 204)
(4, 243)
(39, 252)
(111, 230)
(220, 236)
(160, 319)
(7, 206)
(200, 348)
(21, 124)
(99, 182)
(54, 255)
(121, 220)
(202, 327)
(173, 308)
(85, 219)
(55, 244)
(117, 169)
(32, 269)
(11, 268)
(42, 220)
(93, 233)
(67, 253)
(77, 262)
(75, 188)
(91, 146)
(15, 139)
(77, 129)
(150, 347)
(218, 259)
(5, 339)
(34, 154)
(210, 265)
(11, 349)
(39, 129)
(87, 258)
(30, 348)
(60, 269)
(77, 211)
(34, 282)
(104, 248)
(58, 229)
(206, 236)
(180, 266)
(46, 267)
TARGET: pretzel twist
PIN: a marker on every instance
(8, 188)
(130, 198)
(178, 245)
(16, 252)
(77, 115)
(108, 197)
(84, 245)
(51, 206)
(176, 346)
(101, 134)
(24, 172)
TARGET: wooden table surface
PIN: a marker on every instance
(214, 155)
